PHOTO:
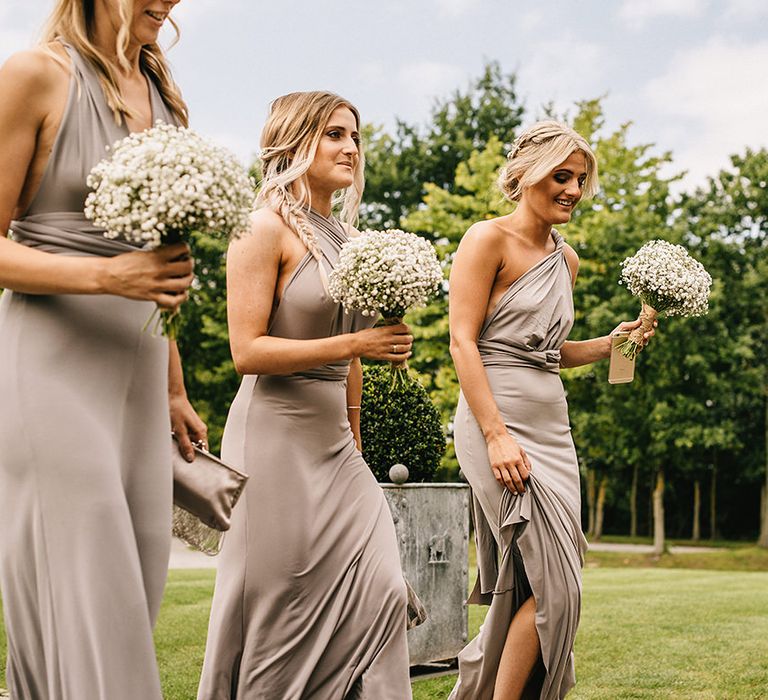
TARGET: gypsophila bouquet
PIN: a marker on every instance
(667, 280)
(160, 185)
(388, 273)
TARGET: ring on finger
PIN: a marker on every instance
(394, 349)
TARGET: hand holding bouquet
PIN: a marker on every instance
(667, 280)
(160, 185)
(388, 273)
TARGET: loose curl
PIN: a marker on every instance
(537, 152)
(288, 146)
(72, 21)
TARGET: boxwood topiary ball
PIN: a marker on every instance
(399, 425)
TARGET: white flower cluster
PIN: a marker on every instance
(667, 278)
(386, 272)
(165, 182)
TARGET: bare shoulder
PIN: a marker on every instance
(34, 86)
(484, 237)
(266, 231)
(36, 69)
(572, 258)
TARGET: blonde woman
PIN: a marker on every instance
(511, 310)
(85, 480)
(310, 600)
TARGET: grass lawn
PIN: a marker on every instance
(649, 629)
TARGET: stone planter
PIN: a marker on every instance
(432, 524)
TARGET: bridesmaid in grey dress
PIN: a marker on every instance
(85, 480)
(511, 310)
(310, 600)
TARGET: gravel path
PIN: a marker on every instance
(645, 548)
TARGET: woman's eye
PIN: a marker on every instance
(561, 178)
(334, 134)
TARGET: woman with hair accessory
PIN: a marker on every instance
(85, 446)
(511, 310)
(310, 600)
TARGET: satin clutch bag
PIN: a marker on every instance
(204, 493)
(417, 613)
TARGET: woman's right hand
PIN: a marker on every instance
(162, 275)
(390, 343)
(509, 463)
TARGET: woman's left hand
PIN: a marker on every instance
(626, 326)
(187, 427)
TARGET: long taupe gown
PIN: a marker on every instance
(538, 534)
(85, 454)
(310, 601)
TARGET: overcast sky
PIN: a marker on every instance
(689, 74)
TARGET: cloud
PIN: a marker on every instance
(456, 8)
(20, 24)
(542, 78)
(423, 81)
(637, 13)
(714, 91)
(745, 10)
(532, 19)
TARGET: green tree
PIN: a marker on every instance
(399, 166)
(729, 217)
(445, 217)
(209, 372)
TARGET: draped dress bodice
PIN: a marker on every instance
(54, 221)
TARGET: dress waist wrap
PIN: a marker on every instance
(66, 233)
(497, 354)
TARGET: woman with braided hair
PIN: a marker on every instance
(310, 600)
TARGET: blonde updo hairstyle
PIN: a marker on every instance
(540, 149)
(289, 142)
(73, 21)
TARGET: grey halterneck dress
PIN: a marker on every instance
(529, 543)
(85, 476)
(310, 601)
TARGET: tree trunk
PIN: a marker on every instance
(696, 534)
(659, 543)
(591, 477)
(713, 500)
(763, 539)
(633, 503)
(600, 508)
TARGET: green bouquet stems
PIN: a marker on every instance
(401, 376)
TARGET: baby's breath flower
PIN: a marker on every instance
(168, 181)
(159, 185)
(386, 272)
(667, 280)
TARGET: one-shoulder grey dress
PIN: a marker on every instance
(529, 543)
(310, 600)
(85, 476)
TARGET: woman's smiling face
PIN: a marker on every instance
(554, 198)
(337, 155)
(148, 18)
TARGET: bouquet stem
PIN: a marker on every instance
(632, 346)
(399, 370)
(164, 322)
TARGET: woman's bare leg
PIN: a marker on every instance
(521, 651)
